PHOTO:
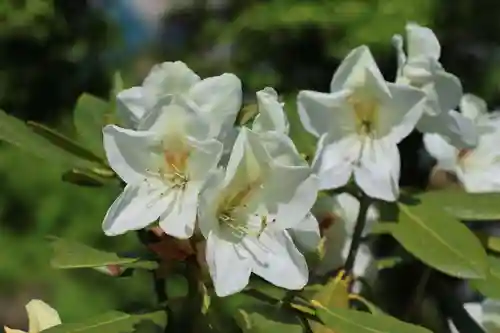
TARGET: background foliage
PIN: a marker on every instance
(53, 50)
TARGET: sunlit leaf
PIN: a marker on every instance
(112, 322)
(70, 255)
(246, 114)
(351, 321)
(260, 317)
(464, 206)
(490, 286)
(266, 288)
(90, 117)
(439, 240)
(17, 133)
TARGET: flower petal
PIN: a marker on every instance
(397, 42)
(180, 217)
(353, 69)
(325, 113)
(41, 316)
(208, 202)
(129, 152)
(448, 90)
(229, 269)
(174, 114)
(491, 315)
(306, 233)
(442, 151)
(284, 266)
(219, 99)
(271, 115)
(422, 42)
(347, 208)
(131, 106)
(401, 113)
(473, 106)
(136, 208)
(204, 158)
(333, 162)
(377, 172)
(169, 78)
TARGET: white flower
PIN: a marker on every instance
(486, 314)
(359, 124)
(164, 168)
(341, 213)
(422, 69)
(476, 168)
(244, 214)
(272, 125)
(218, 98)
(41, 316)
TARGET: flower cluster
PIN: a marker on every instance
(248, 191)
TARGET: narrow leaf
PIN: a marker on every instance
(90, 117)
(261, 317)
(112, 322)
(246, 114)
(62, 141)
(490, 286)
(70, 255)
(439, 240)
(82, 178)
(17, 133)
(352, 321)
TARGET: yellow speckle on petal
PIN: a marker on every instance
(366, 113)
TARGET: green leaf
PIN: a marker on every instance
(62, 141)
(83, 178)
(112, 322)
(17, 133)
(490, 286)
(464, 206)
(260, 317)
(70, 255)
(352, 321)
(246, 114)
(439, 240)
(90, 117)
(266, 288)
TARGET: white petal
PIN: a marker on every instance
(174, 114)
(249, 162)
(491, 315)
(347, 208)
(282, 149)
(208, 202)
(136, 208)
(377, 173)
(284, 266)
(204, 158)
(180, 217)
(473, 106)
(442, 151)
(325, 113)
(422, 42)
(131, 106)
(354, 68)
(41, 316)
(129, 152)
(333, 162)
(306, 233)
(397, 42)
(229, 269)
(448, 89)
(291, 193)
(219, 99)
(271, 115)
(458, 130)
(336, 241)
(401, 113)
(169, 78)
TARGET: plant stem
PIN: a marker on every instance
(364, 204)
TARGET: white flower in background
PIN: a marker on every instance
(164, 166)
(478, 169)
(486, 314)
(421, 68)
(273, 127)
(244, 214)
(41, 316)
(218, 98)
(360, 122)
(340, 214)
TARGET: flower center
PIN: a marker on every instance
(365, 112)
(462, 156)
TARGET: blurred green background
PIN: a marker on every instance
(51, 51)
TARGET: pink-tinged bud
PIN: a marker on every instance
(111, 270)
